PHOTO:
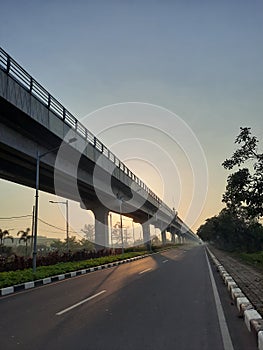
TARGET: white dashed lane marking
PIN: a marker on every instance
(80, 303)
(146, 270)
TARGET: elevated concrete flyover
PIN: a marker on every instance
(32, 122)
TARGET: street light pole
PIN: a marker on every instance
(122, 244)
(120, 202)
(67, 226)
(36, 215)
(39, 156)
(111, 230)
(133, 232)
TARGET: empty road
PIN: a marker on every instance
(171, 300)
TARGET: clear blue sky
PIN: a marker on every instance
(201, 59)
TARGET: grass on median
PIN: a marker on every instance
(11, 278)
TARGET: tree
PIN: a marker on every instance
(58, 245)
(116, 235)
(244, 191)
(73, 243)
(208, 231)
(86, 244)
(230, 232)
(120, 233)
(25, 236)
(237, 227)
(4, 234)
(156, 241)
(89, 232)
(236, 192)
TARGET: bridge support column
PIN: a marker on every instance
(181, 239)
(173, 237)
(163, 233)
(101, 227)
(146, 235)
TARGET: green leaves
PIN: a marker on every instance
(244, 190)
(230, 232)
(247, 150)
(236, 228)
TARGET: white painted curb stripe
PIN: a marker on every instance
(47, 280)
(231, 285)
(242, 300)
(251, 315)
(29, 285)
(80, 303)
(7, 290)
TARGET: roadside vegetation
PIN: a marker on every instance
(10, 278)
(254, 259)
(238, 227)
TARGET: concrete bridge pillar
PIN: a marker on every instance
(163, 233)
(146, 235)
(181, 239)
(173, 237)
(101, 227)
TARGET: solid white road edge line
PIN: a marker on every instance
(140, 273)
(220, 313)
(81, 302)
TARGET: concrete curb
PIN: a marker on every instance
(47, 280)
(252, 318)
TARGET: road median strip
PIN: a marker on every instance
(37, 283)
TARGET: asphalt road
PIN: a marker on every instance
(165, 301)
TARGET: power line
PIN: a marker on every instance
(16, 217)
(44, 222)
(58, 228)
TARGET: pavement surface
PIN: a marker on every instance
(172, 300)
(248, 278)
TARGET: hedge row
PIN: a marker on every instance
(15, 262)
(11, 278)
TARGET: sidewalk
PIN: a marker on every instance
(248, 278)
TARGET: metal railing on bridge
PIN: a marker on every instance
(16, 72)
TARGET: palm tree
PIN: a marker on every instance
(4, 234)
(25, 236)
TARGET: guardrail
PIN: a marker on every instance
(14, 70)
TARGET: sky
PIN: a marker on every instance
(165, 84)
